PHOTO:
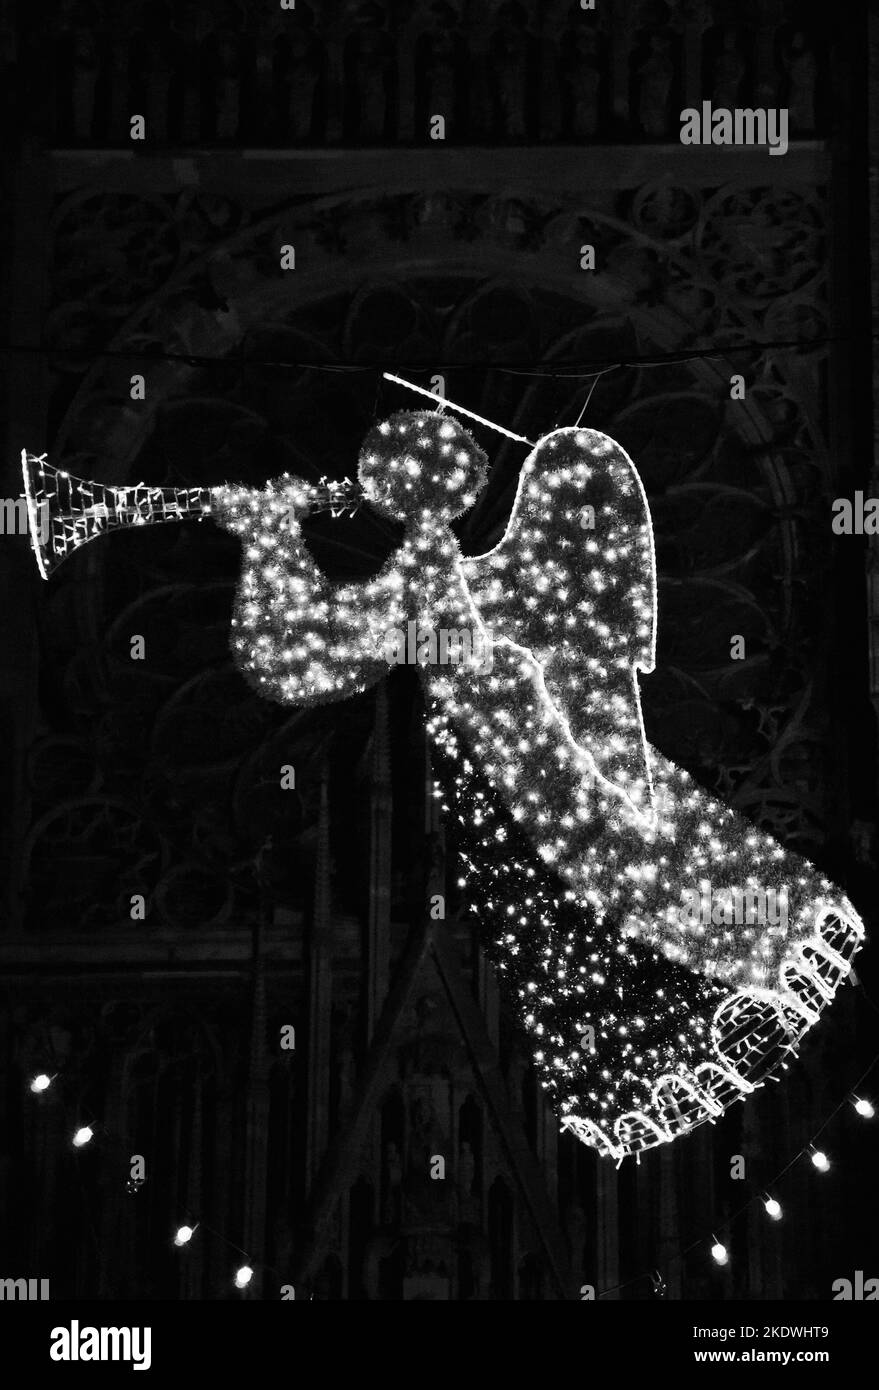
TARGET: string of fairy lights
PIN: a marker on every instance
(84, 1136)
(719, 1248)
(181, 1235)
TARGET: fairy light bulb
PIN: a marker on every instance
(83, 1136)
(820, 1160)
(773, 1208)
(243, 1276)
(184, 1235)
(719, 1253)
(864, 1107)
(41, 1083)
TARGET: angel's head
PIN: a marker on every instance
(420, 462)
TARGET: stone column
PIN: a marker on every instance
(380, 814)
(256, 1132)
(29, 185)
(320, 991)
(873, 157)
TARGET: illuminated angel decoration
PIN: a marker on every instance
(582, 848)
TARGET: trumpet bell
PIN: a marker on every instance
(65, 512)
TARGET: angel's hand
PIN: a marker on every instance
(297, 636)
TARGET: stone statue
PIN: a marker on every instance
(346, 1078)
(85, 76)
(655, 74)
(228, 88)
(802, 69)
(393, 1185)
(575, 1234)
(581, 74)
(510, 47)
(441, 69)
(372, 64)
(304, 72)
(729, 69)
(466, 1178)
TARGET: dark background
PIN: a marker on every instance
(307, 907)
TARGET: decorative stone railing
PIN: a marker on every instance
(333, 74)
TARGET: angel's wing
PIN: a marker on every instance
(574, 580)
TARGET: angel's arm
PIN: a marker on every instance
(298, 637)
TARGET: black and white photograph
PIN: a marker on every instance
(439, 577)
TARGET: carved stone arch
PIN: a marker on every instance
(80, 838)
(382, 295)
(487, 298)
(662, 243)
(387, 263)
(195, 747)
